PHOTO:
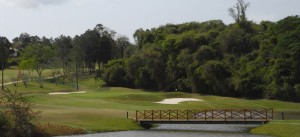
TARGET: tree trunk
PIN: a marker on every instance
(76, 71)
(2, 75)
(55, 80)
(99, 65)
(55, 76)
(40, 81)
(82, 69)
(122, 52)
(40, 77)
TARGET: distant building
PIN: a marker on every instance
(14, 52)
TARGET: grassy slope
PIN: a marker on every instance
(104, 109)
(289, 128)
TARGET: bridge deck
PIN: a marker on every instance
(212, 116)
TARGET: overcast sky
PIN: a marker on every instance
(52, 18)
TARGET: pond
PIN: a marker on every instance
(182, 130)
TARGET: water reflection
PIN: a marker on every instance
(180, 130)
(207, 128)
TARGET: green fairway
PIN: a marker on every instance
(104, 108)
(289, 128)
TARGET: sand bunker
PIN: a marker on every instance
(177, 100)
(66, 93)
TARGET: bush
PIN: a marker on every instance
(297, 90)
(3, 121)
(17, 114)
(99, 73)
(115, 74)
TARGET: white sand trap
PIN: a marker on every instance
(177, 100)
(66, 93)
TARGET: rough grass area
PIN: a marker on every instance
(57, 130)
(103, 109)
(289, 128)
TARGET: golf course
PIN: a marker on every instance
(149, 68)
(96, 108)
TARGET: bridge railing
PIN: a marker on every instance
(204, 115)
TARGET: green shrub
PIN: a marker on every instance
(17, 114)
(114, 73)
(3, 121)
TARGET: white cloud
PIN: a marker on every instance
(30, 3)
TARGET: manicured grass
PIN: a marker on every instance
(104, 108)
(280, 129)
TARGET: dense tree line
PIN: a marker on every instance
(243, 59)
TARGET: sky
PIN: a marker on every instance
(52, 18)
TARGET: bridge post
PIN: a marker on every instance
(245, 116)
(187, 116)
(136, 115)
(225, 111)
(266, 115)
(272, 113)
(205, 117)
(169, 113)
(212, 114)
(159, 114)
(152, 115)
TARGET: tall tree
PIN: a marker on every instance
(5, 48)
(122, 42)
(78, 55)
(88, 41)
(106, 42)
(24, 40)
(238, 12)
(63, 46)
(37, 56)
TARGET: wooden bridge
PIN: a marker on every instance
(210, 116)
